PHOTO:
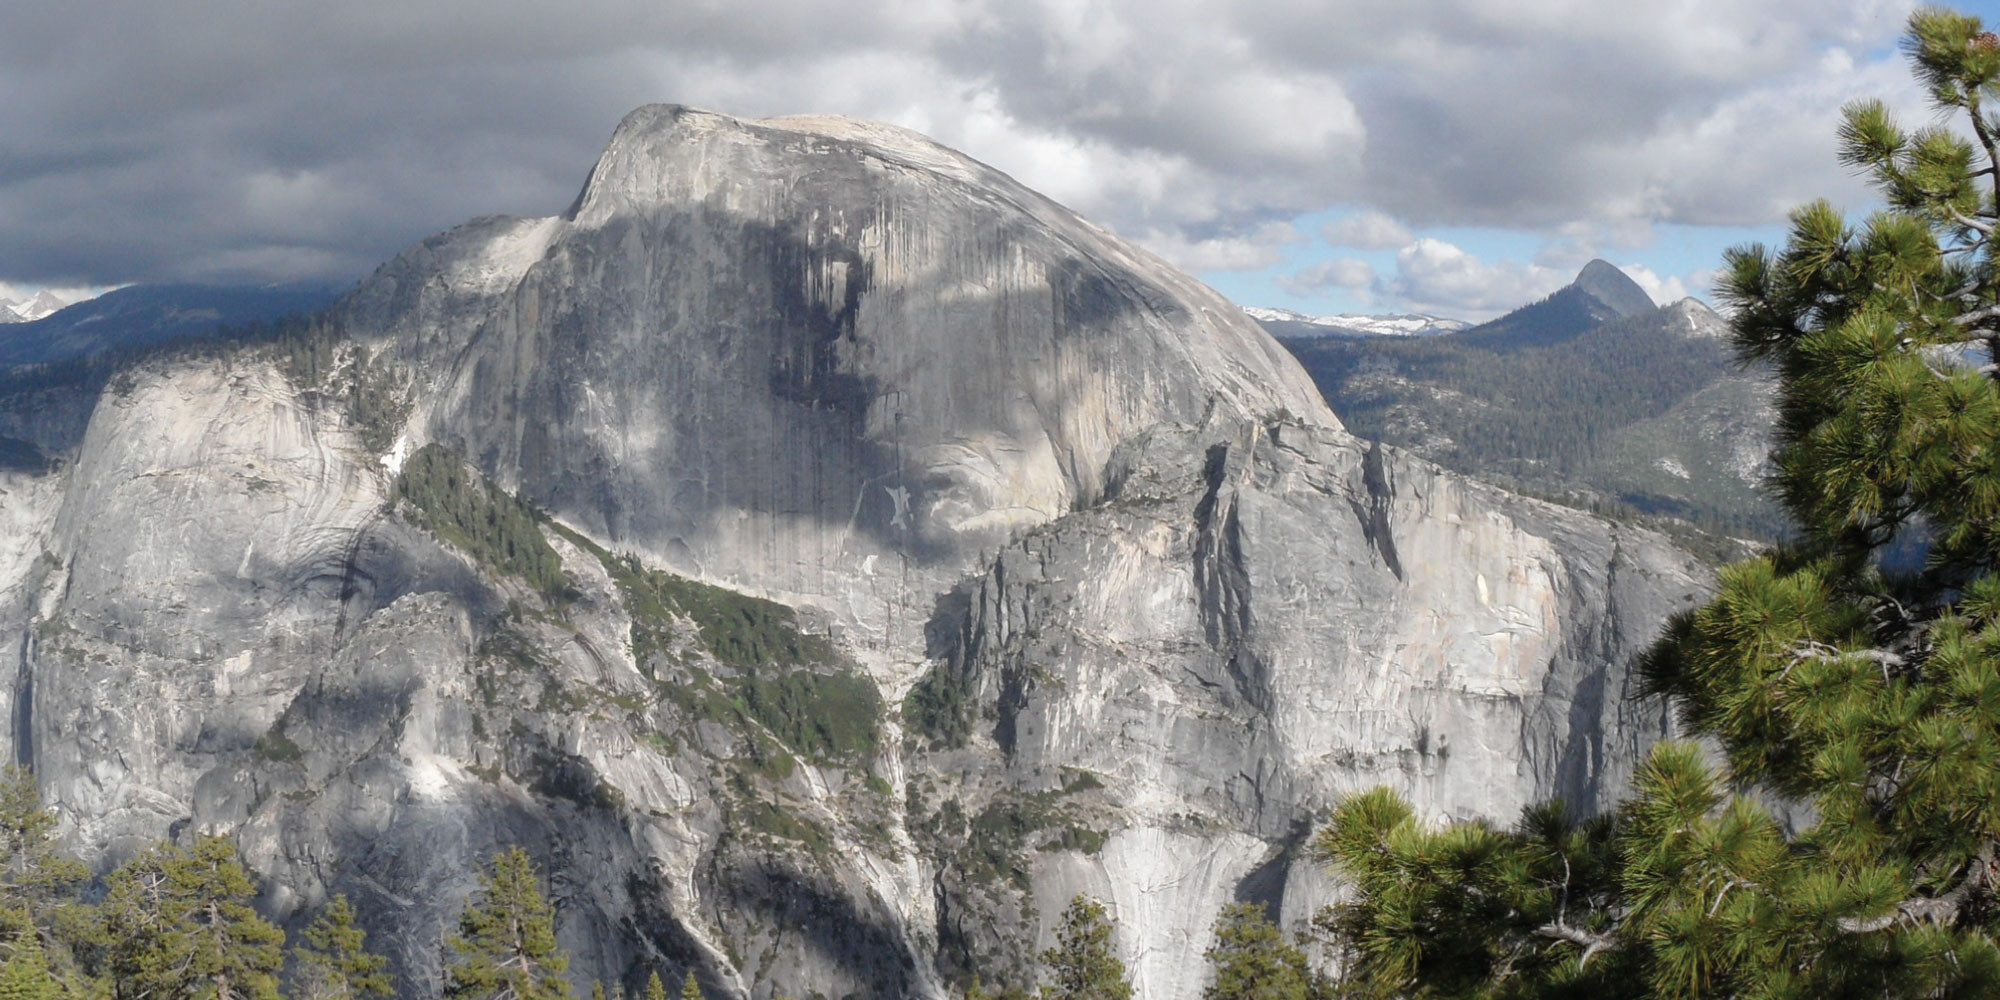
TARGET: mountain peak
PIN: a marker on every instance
(1606, 283)
(42, 303)
(632, 169)
(1698, 320)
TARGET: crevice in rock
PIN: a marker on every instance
(24, 703)
(1223, 582)
(1374, 515)
(1218, 566)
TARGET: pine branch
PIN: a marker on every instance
(1976, 316)
(1986, 139)
(1591, 942)
(1942, 909)
(1976, 225)
(1809, 649)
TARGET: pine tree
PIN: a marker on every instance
(506, 945)
(179, 924)
(25, 975)
(1253, 961)
(977, 990)
(655, 990)
(32, 873)
(38, 885)
(690, 990)
(1869, 695)
(334, 962)
(1083, 964)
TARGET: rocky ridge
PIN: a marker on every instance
(1655, 420)
(824, 554)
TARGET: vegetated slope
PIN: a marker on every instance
(823, 554)
(1642, 414)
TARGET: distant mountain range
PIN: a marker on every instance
(143, 315)
(34, 307)
(1593, 396)
(1286, 324)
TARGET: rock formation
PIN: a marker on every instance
(903, 555)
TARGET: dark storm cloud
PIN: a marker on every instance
(239, 140)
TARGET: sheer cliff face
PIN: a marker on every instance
(802, 353)
(1081, 588)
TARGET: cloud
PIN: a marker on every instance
(1236, 252)
(1671, 288)
(238, 139)
(1435, 276)
(1367, 231)
(1343, 272)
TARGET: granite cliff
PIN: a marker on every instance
(824, 554)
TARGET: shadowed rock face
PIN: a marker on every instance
(1081, 588)
(1614, 288)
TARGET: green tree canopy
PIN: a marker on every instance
(1253, 961)
(1084, 965)
(32, 872)
(506, 946)
(179, 924)
(1828, 676)
(334, 962)
(24, 973)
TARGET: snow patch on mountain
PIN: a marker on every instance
(46, 302)
(1699, 321)
(1297, 324)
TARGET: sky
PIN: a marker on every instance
(1455, 157)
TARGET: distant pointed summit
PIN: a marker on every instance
(1600, 294)
(42, 303)
(1605, 282)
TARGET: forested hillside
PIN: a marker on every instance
(1645, 414)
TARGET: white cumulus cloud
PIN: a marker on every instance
(1342, 272)
(1367, 231)
(1435, 276)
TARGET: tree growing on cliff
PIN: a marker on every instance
(1084, 965)
(24, 974)
(33, 874)
(38, 884)
(1251, 960)
(179, 924)
(506, 946)
(334, 962)
(1826, 676)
